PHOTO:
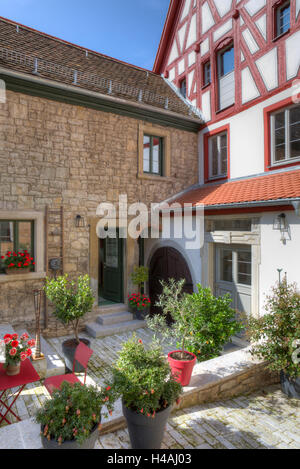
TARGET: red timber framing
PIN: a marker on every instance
(242, 21)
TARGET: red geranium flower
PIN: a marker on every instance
(14, 343)
(15, 336)
(28, 352)
(13, 352)
(23, 356)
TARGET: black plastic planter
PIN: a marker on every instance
(89, 443)
(68, 349)
(289, 386)
(146, 432)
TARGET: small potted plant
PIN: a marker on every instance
(139, 305)
(17, 262)
(17, 350)
(71, 300)
(72, 418)
(142, 377)
(276, 336)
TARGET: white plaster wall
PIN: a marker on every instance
(246, 138)
(275, 255)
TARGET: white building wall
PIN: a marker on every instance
(246, 139)
(276, 255)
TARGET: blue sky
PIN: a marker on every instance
(128, 30)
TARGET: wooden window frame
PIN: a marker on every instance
(268, 137)
(166, 160)
(277, 8)
(204, 74)
(16, 240)
(207, 160)
(161, 156)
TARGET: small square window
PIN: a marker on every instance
(283, 19)
(153, 155)
(206, 74)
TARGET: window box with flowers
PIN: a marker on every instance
(17, 262)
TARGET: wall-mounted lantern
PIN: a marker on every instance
(79, 221)
(281, 224)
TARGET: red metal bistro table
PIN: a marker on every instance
(27, 375)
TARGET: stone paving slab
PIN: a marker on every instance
(263, 420)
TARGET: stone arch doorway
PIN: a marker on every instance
(167, 263)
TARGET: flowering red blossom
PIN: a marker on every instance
(20, 260)
(13, 351)
(14, 343)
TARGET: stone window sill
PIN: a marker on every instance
(153, 177)
(4, 278)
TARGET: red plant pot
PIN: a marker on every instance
(182, 369)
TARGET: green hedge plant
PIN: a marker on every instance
(276, 334)
(201, 323)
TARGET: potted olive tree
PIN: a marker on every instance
(201, 323)
(72, 418)
(276, 336)
(142, 377)
(71, 301)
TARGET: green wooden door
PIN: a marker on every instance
(112, 288)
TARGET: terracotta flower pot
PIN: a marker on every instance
(182, 369)
(13, 370)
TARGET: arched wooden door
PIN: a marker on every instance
(167, 263)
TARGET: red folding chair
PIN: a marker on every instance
(82, 355)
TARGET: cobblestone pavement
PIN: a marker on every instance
(105, 355)
(262, 420)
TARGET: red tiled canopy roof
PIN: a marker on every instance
(285, 185)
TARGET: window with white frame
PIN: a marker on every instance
(226, 77)
(218, 155)
(285, 135)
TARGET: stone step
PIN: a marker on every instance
(111, 309)
(115, 318)
(97, 330)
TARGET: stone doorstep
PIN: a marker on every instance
(205, 375)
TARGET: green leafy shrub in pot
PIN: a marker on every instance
(213, 322)
(203, 322)
(71, 299)
(73, 413)
(276, 335)
(142, 377)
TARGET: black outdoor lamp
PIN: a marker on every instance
(79, 221)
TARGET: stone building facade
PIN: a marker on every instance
(58, 154)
